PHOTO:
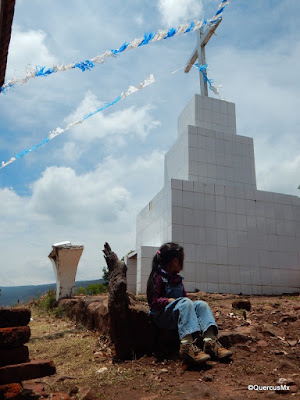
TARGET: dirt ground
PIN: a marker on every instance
(268, 354)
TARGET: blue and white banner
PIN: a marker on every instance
(100, 59)
(59, 131)
(214, 88)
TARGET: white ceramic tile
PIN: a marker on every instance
(200, 254)
(222, 256)
(187, 186)
(211, 255)
(187, 199)
(234, 274)
(177, 233)
(224, 288)
(230, 205)
(212, 274)
(189, 234)
(233, 256)
(221, 220)
(210, 202)
(177, 215)
(222, 237)
(220, 204)
(189, 271)
(211, 236)
(176, 184)
(212, 288)
(188, 216)
(199, 201)
(231, 221)
(177, 198)
(210, 219)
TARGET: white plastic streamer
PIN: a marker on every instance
(100, 59)
(58, 131)
(214, 88)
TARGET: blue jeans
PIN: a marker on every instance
(186, 315)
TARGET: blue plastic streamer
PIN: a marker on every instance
(84, 65)
(191, 27)
(40, 71)
(106, 105)
(171, 33)
(202, 69)
(147, 38)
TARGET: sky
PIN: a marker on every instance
(88, 184)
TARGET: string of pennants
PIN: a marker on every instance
(130, 90)
(100, 59)
(58, 131)
(88, 64)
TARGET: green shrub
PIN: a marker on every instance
(48, 301)
(59, 311)
(80, 290)
(96, 288)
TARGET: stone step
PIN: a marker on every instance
(14, 336)
(14, 317)
(15, 355)
(23, 372)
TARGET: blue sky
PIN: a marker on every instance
(88, 184)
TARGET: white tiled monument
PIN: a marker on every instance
(237, 239)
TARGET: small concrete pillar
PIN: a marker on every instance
(65, 258)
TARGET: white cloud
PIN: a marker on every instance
(174, 12)
(67, 198)
(280, 175)
(131, 120)
(27, 49)
(114, 129)
(91, 208)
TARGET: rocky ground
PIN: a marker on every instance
(265, 344)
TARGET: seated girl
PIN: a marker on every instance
(171, 308)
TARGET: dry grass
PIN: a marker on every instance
(78, 354)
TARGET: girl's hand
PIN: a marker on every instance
(171, 299)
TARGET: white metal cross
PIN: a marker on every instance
(199, 52)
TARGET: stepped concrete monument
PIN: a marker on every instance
(237, 239)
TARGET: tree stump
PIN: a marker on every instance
(118, 305)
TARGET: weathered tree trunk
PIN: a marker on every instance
(118, 305)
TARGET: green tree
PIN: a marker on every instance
(105, 276)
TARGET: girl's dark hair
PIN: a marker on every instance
(163, 257)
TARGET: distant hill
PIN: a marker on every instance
(11, 294)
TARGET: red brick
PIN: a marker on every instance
(22, 372)
(35, 387)
(14, 317)
(13, 391)
(15, 355)
(14, 337)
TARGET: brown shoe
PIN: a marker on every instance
(190, 352)
(215, 349)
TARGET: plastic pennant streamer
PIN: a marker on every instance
(100, 59)
(58, 131)
(215, 89)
